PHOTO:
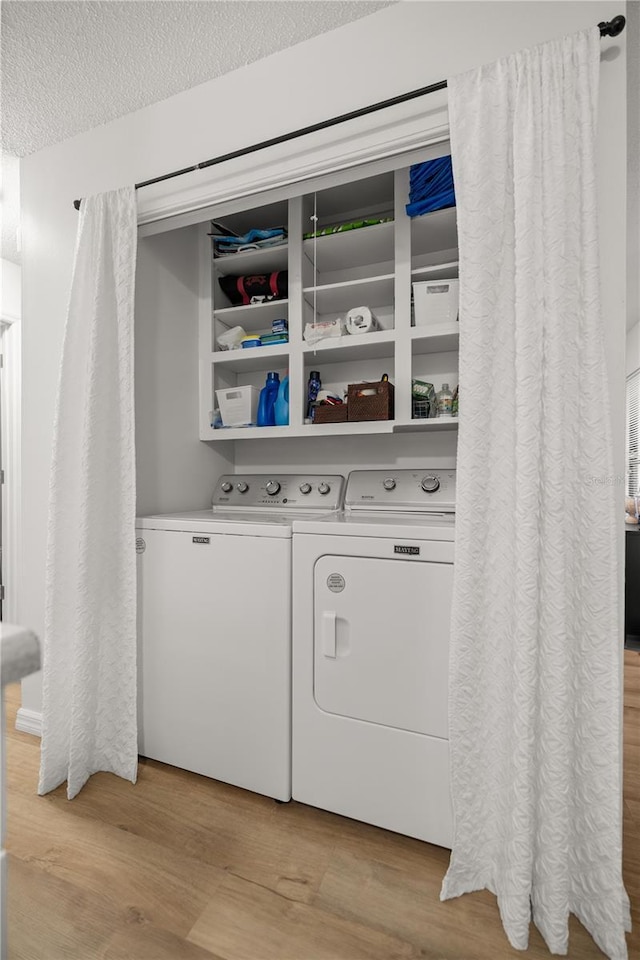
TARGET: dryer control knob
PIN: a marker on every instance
(226, 487)
(389, 483)
(305, 488)
(324, 488)
(430, 484)
(272, 487)
(242, 487)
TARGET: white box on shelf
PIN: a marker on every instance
(435, 301)
(238, 405)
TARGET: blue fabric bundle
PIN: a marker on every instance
(430, 186)
(253, 240)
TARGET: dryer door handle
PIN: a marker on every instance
(329, 633)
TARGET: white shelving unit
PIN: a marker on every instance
(328, 275)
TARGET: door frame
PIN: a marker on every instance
(10, 407)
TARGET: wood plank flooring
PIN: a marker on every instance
(184, 868)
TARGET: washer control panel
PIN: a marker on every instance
(282, 490)
(427, 490)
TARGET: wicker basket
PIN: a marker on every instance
(330, 413)
(370, 401)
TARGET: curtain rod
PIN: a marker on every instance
(607, 29)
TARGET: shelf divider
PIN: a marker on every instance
(402, 367)
(206, 331)
(296, 319)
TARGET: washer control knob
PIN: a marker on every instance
(305, 488)
(272, 487)
(324, 488)
(242, 487)
(389, 483)
(226, 487)
(430, 484)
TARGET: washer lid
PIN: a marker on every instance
(250, 524)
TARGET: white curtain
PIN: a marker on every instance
(535, 711)
(89, 688)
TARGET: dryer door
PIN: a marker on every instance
(381, 641)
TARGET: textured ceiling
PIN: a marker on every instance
(70, 65)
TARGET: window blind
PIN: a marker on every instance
(633, 434)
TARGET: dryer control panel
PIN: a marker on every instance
(421, 491)
(317, 492)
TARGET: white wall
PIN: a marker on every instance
(400, 48)
(633, 349)
(10, 402)
(175, 471)
(10, 290)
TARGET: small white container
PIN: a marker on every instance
(313, 332)
(435, 301)
(238, 405)
(231, 339)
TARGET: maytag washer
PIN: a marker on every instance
(214, 629)
(371, 606)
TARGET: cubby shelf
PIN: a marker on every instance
(335, 297)
(373, 266)
(253, 261)
(358, 347)
(434, 231)
(260, 314)
(253, 358)
(356, 248)
(436, 271)
(439, 338)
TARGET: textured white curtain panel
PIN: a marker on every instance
(535, 691)
(89, 686)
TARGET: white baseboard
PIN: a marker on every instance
(29, 721)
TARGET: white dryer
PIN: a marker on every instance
(214, 629)
(372, 594)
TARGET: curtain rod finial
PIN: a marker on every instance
(613, 27)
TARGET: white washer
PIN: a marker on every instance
(214, 629)
(371, 607)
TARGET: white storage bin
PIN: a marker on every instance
(435, 301)
(238, 405)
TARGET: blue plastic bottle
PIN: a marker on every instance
(267, 401)
(282, 404)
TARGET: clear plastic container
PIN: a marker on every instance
(444, 401)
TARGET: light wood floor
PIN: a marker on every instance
(183, 868)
